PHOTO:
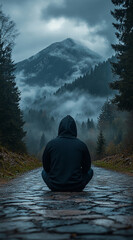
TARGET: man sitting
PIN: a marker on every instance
(66, 160)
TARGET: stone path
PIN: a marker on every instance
(103, 211)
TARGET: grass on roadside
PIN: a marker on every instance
(119, 162)
(13, 164)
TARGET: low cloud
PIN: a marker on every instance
(80, 105)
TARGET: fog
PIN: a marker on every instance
(78, 104)
(43, 110)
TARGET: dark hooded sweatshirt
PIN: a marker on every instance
(66, 159)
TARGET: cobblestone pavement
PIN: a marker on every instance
(103, 211)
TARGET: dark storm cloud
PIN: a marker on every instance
(93, 12)
(43, 22)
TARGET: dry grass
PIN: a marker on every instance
(13, 164)
(119, 162)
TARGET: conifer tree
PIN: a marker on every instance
(123, 68)
(90, 124)
(100, 145)
(11, 119)
(106, 116)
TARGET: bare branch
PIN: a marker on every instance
(8, 31)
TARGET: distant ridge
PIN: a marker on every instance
(58, 63)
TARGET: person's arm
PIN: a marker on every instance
(46, 159)
(86, 161)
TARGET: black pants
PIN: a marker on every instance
(85, 180)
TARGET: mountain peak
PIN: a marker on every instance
(78, 46)
(60, 62)
(69, 41)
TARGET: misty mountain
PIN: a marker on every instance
(95, 83)
(58, 63)
(49, 90)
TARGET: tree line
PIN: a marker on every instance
(96, 82)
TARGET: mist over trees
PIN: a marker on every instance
(40, 128)
(11, 120)
(96, 82)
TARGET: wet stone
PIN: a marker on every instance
(109, 223)
(41, 236)
(127, 232)
(103, 237)
(81, 228)
(16, 226)
(103, 211)
(123, 219)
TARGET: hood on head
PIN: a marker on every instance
(67, 127)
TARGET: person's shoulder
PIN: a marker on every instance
(51, 142)
(82, 144)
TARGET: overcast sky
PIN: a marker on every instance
(42, 22)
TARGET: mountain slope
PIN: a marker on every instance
(60, 62)
(95, 83)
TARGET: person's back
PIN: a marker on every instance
(66, 160)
